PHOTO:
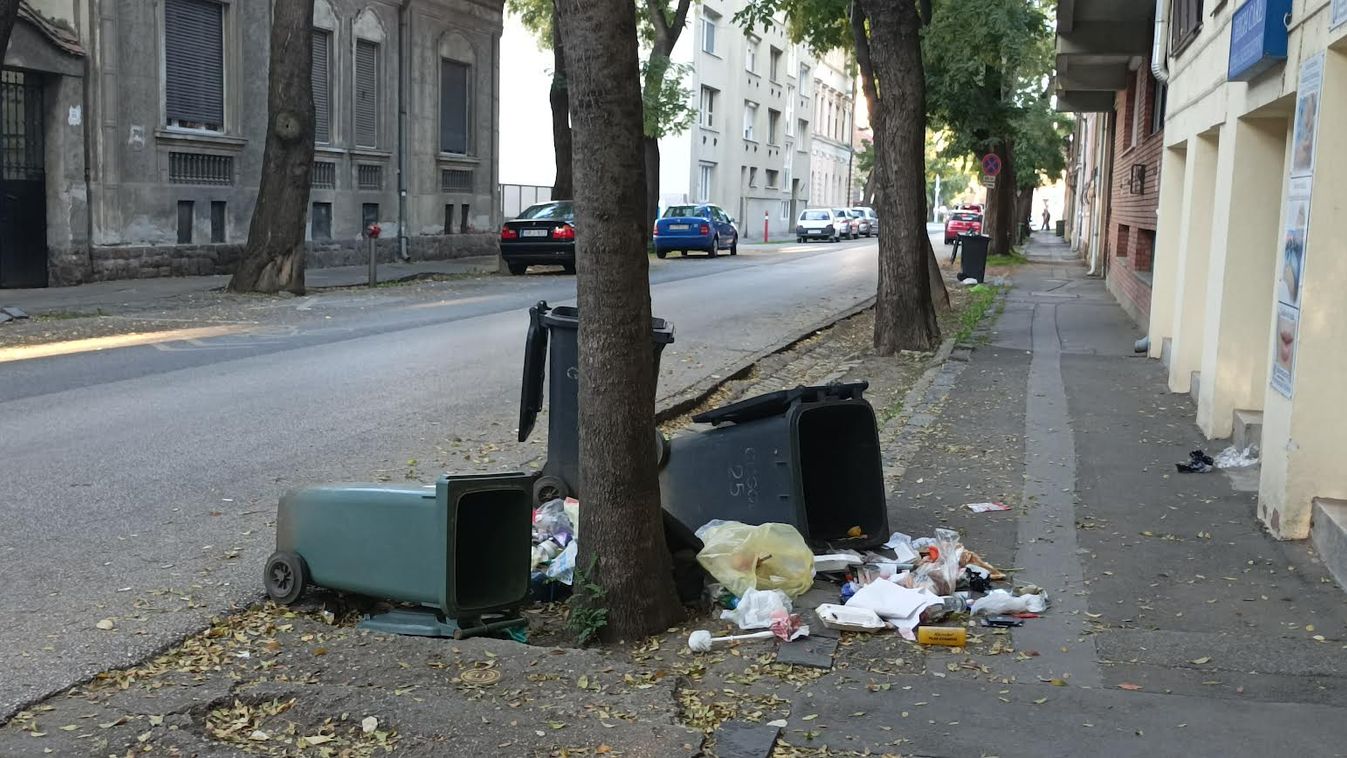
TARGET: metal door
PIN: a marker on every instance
(23, 187)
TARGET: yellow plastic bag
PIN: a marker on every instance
(765, 557)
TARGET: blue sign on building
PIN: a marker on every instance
(1257, 38)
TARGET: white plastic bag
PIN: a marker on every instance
(1000, 601)
(755, 608)
(891, 601)
(849, 619)
(562, 567)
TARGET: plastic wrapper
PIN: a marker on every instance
(764, 557)
(756, 607)
(998, 602)
(562, 568)
(552, 521)
(849, 619)
(940, 574)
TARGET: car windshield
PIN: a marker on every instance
(814, 216)
(675, 211)
(549, 211)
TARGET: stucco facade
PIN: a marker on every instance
(166, 195)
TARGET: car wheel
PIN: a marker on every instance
(518, 269)
(834, 238)
(715, 246)
(661, 254)
(949, 241)
(734, 246)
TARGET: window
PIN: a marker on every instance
(773, 126)
(804, 76)
(186, 209)
(449, 218)
(217, 221)
(454, 92)
(1187, 22)
(753, 176)
(709, 22)
(774, 65)
(772, 176)
(324, 175)
(788, 166)
(751, 55)
(1160, 100)
(1124, 240)
(790, 111)
(200, 168)
(750, 118)
(456, 180)
(705, 174)
(463, 226)
(708, 112)
(194, 64)
(1128, 115)
(320, 221)
(369, 176)
(369, 216)
(321, 78)
(785, 210)
(802, 131)
(366, 94)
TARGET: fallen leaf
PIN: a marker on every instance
(369, 724)
(1129, 686)
(69, 727)
(582, 682)
(106, 625)
(259, 735)
(1040, 701)
(1200, 661)
(603, 750)
(156, 720)
(319, 739)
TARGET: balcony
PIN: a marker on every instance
(1099, 44)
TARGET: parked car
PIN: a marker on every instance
(544, 234)
(962, 222)
(700, 228)
(821, 223)
(853, 224)
(869, 221)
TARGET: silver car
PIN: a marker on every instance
(869, 221)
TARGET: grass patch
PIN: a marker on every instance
(67, 315)
(1014, 259)
(980, 301)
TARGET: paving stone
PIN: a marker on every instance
(814, 652)
(739, 739)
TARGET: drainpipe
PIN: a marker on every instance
(1159, 61)
(86, 123)
(1101, 187)
(402, 129)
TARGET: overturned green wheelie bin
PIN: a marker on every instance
(458, 551)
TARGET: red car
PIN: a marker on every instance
(962, 222)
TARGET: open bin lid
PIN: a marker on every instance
(535, 364)
(776, 403)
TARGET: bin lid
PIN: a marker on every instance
(535, 364)
(776, 403)
(568, 317)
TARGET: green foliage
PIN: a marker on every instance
(666, 100)
(954, 169)
(537, 18)
(822, 25)
(980, 301)
(587, 616)
(1040, 145)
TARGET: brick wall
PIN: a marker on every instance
(1135, 193)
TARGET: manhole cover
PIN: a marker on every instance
(481, 676)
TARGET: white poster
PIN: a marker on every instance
(1307, 116)
(1291, 263)
(1284, 349)
(1339, 13)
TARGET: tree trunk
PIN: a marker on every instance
(9, 13)
(650, 148)
(623, 550)
(891, 53)
(939, 292)
(1000, 219)
(563, 187)
(273, 259)
(1024, 205)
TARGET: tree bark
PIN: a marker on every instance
(888, 49)
(939, 292)
(9, 13)
(1000, 219)
(273, 259)
(563, 187)
(650, 150)
(623, 550)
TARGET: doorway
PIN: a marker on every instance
(23, 186)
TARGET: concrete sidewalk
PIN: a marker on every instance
(129, 293)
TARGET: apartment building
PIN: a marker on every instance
(133, 133)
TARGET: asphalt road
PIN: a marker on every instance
(139, 483)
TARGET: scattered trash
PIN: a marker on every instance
(765, 557)
(369, 724)
(855, 532)
(970, 281)
(756, 608)
(985, 507)
(939, 573)
(849, 619)
(1198, 463)
(901, 545)
(977, 578)
(1002, 621)
(949, 636)
(554, 548)
(562, 568)
(701, 640)
(1000, 602)
(1233, 457)
(106, 625)
(837, 561)
(788, 626)
(849, 588)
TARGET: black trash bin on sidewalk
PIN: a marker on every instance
(808, 457)
(974, 250)
(561, 473)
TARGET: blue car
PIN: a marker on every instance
(697, 228)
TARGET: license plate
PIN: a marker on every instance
(533, 233)
(678, 227)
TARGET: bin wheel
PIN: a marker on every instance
(549, 488)
(285, 577)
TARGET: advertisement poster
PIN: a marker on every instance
(1291, 271)
(1307, 116)
(1284, 349)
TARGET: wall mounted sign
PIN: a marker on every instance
(1258, 38)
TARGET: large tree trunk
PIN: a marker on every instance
(1001, 215)
(891, 53)
(650, 148)
(9, 13)
(623, 549)
(273, 259)
(563, 187)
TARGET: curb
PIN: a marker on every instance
(677, 404)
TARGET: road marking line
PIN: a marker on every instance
(92, 344)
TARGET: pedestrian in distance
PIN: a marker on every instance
(1047, 216)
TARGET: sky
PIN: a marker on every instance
(525, 112)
